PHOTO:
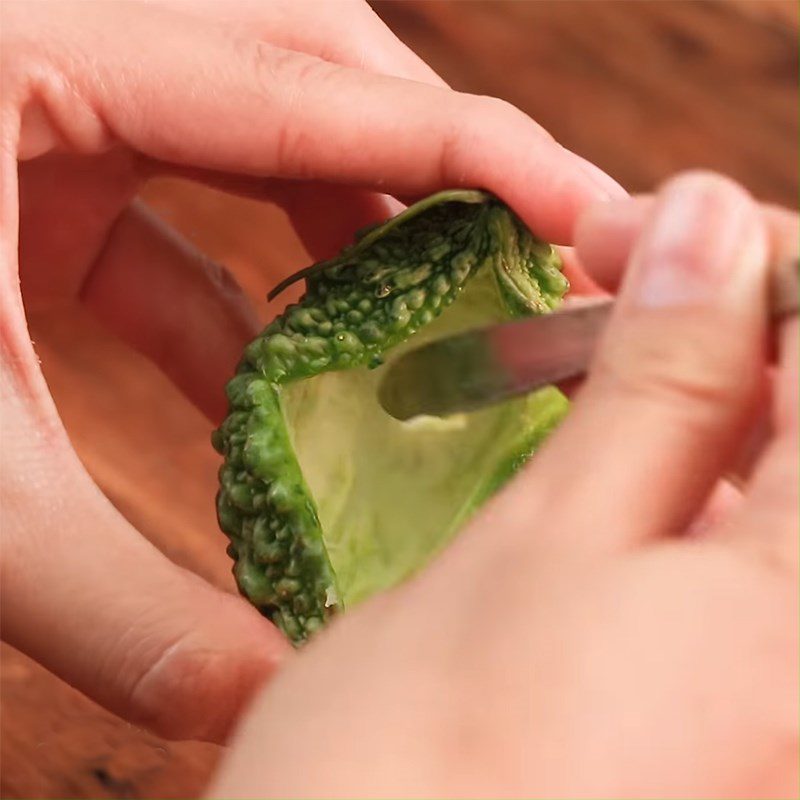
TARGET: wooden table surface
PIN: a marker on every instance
(641, 88)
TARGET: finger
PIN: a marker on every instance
(88, 598)
(82, 593)
(290, 115)
(676, 377)
(769, 521)
(605, 236)
(75, 200)
(185, 312)
(347, 32)
(325, 216)
(146, 283)
(173, 304)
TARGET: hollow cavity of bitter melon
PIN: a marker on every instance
(325, 497)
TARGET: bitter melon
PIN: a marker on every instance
(327, 499)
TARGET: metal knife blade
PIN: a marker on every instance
(485, 366)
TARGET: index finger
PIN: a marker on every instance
(232, 104)
(606, 234)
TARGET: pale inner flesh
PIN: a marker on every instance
(389, 494)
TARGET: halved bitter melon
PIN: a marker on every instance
(327, 499)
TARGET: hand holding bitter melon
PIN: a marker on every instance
(263, 99)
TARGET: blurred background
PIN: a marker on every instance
(641, 88)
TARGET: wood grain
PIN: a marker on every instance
(641, 88)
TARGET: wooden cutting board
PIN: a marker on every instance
(643, 89)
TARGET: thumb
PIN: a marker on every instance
(676, 380)
(85, 595)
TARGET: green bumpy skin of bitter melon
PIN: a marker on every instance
(392, 282)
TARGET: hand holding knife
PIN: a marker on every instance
(485, 366)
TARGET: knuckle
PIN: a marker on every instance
(19, 66)
(496, 108)
(513, 116)
(487, 113)
(27, 46)
(163, 697)
(481, 124)
(221, 652)
(283, 73)
(283, 79)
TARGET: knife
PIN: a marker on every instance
(485, 366)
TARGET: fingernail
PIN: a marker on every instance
(605, 183)
(703, 242)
